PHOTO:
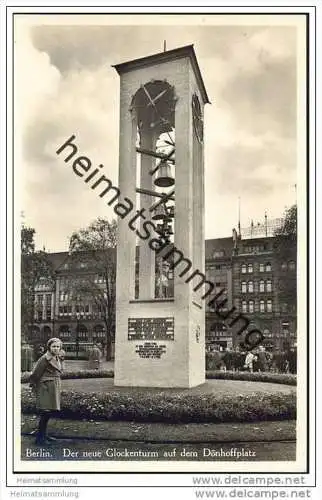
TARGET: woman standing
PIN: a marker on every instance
(45, 382)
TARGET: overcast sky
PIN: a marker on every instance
(65, 84)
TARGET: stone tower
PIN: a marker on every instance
(160, 313)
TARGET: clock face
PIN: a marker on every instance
(197, 117)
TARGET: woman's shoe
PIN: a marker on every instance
(42, 440)
(51, 438)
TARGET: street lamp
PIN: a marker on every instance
(53, 323)
(77, 334)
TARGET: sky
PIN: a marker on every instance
(65, 84)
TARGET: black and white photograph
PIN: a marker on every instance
(160, 243)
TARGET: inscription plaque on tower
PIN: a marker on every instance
(151, 328)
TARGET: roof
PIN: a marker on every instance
(57, 259)
(161, 57)
(225, 244)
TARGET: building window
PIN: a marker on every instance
(244, 269)
(261, 306)
(251, 306)
(99, 332)
(65, 310)
(65, 332)
(250, 268)
(261, 268)
(269, 306)
(244, 306)
(285, 328)
(217, 267)
(99, 279)
(218, 253)
(262, 286)
(38, 315)
(39, 299)
(268, 267)
(268, 286)
(48, 307)
(63, 296)
(291, 265)
(82, 333)
(253, 249)
(244, 287)
(250, 287)
(284, 307)
(284, 266)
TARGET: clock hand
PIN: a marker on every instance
(153, 101)
(157, 111)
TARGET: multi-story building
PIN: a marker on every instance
(62, 309)
(218, 254)
(248, 272)
(254, 276)
(255, 284)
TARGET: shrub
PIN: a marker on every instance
(214, 360)
(72, 357)
(170, 408)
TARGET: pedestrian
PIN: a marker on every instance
(94, 358)
(228, 359)
(240, 360)
(39, 351)
(46, 384)
(292, 357)
(62, 355)
(26, 357)
(249, 361)
(262, 359)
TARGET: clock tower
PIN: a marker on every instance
(160, 284)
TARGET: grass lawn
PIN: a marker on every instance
(220, 387)
(162, 432)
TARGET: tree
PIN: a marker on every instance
(286, 234)
(35, 265)
(285, 249)
(96, 247)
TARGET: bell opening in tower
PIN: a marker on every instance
(154, 108)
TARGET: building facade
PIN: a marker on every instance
(248, 273)
(255, 277)
(64, 310)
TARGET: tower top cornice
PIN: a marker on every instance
(163, 57)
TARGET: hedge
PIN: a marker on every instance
(161, 407)
(275, 378)
(76, 374)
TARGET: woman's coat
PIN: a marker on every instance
(45, 378)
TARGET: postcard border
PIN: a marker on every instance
(309, 21)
